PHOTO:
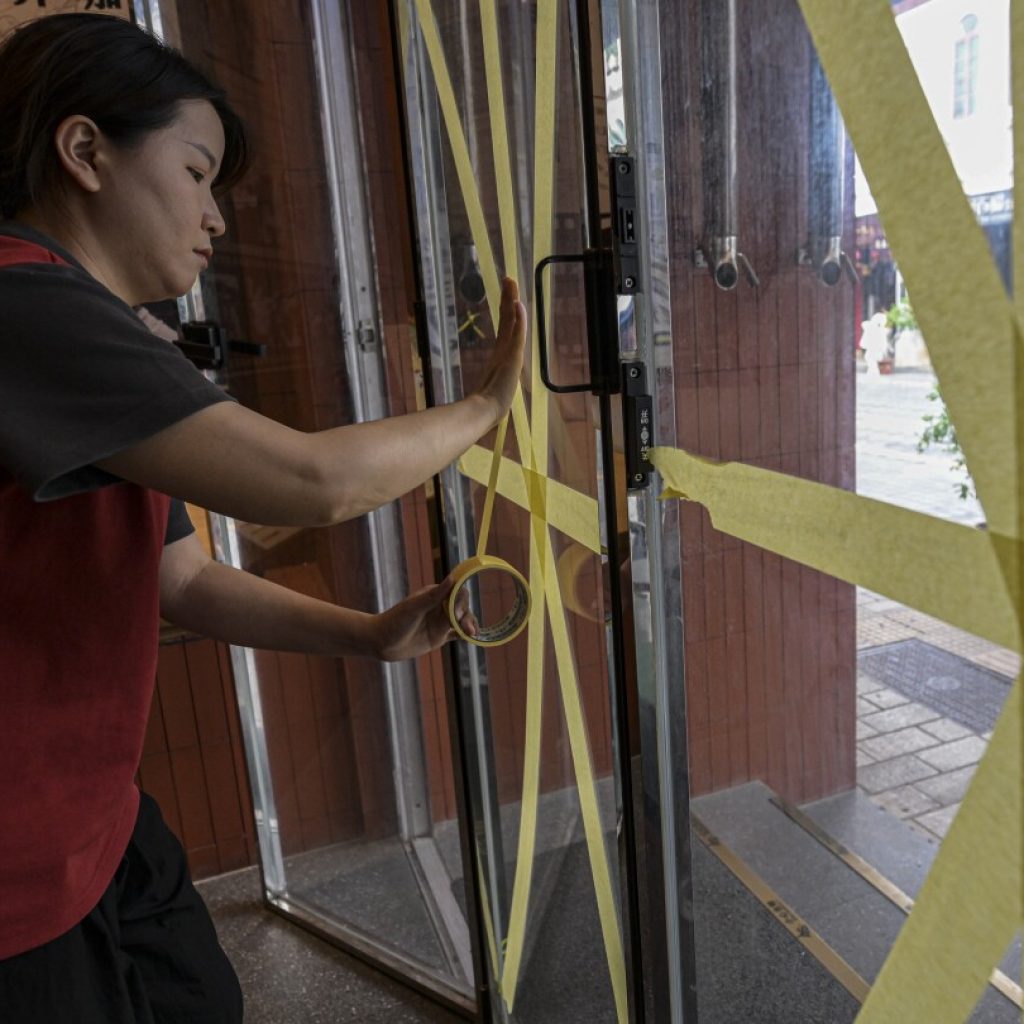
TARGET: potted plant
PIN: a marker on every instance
(908, 348)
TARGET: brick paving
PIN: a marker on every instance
(911, 760)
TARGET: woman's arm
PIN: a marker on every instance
(231, 460)
(228, 604)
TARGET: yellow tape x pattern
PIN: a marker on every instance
(529, 480)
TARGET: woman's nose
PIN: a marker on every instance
(213, 222)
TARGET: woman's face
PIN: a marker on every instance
(154, 213)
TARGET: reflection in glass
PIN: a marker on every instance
(349, 760)
(537, 709)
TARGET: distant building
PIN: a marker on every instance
(961, 50)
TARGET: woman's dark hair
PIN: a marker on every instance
(107, 69)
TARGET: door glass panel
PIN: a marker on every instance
(350, 760)
(833, 731)
(499, 186)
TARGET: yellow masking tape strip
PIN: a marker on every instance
(477, 222)
(526, 845)
(569, 511)
(460, 154)
(499, 136)
(492, 946)
(506, 211)
(492, 484)
(958, 297)
(540, 489)
(587, 789)
(1017, 91)
(543, 203)
(969, 907)
(946, 569)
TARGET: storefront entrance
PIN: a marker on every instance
(644, 807)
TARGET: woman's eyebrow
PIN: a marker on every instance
(202, 149)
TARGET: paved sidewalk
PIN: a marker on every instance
(911, 760)
(889, 466)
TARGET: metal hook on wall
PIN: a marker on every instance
(722, 255)
(825, 184)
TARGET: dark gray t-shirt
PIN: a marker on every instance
(81, 377)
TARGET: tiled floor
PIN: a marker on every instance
(911, 760)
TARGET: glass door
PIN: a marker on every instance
(350, 761)
(515, 158)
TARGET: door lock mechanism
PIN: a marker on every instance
(626, 224)
(638, 425)
(608, 271)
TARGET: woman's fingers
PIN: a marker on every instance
(507, 307)
(507, 361)
(466, 619)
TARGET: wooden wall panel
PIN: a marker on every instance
(764, 376)
(193, 763)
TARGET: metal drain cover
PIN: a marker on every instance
(942, 683)
(945, 682)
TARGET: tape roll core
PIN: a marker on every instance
(512, 623)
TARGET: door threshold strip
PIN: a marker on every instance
(780, 910)
(1001, 982)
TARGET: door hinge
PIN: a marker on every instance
(366, 336)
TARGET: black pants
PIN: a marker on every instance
(146, 954)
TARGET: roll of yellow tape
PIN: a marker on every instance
(571, 564)
(512, 623)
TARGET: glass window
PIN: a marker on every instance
(965, 69)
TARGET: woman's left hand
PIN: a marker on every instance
(420, 624)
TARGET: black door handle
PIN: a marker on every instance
(602, 339)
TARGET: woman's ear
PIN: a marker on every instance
(76, 140)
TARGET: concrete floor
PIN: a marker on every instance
(750, 969)
(289, 976)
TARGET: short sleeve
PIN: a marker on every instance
(179, 524)
(81, 378)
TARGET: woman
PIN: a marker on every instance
(111, 150)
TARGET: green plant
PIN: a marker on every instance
(939, 430)
(901, 317)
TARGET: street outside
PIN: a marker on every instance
(912, 759)
(890, 413)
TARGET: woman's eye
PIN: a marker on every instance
(197, 176)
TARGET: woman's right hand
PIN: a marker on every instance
(499, 386)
